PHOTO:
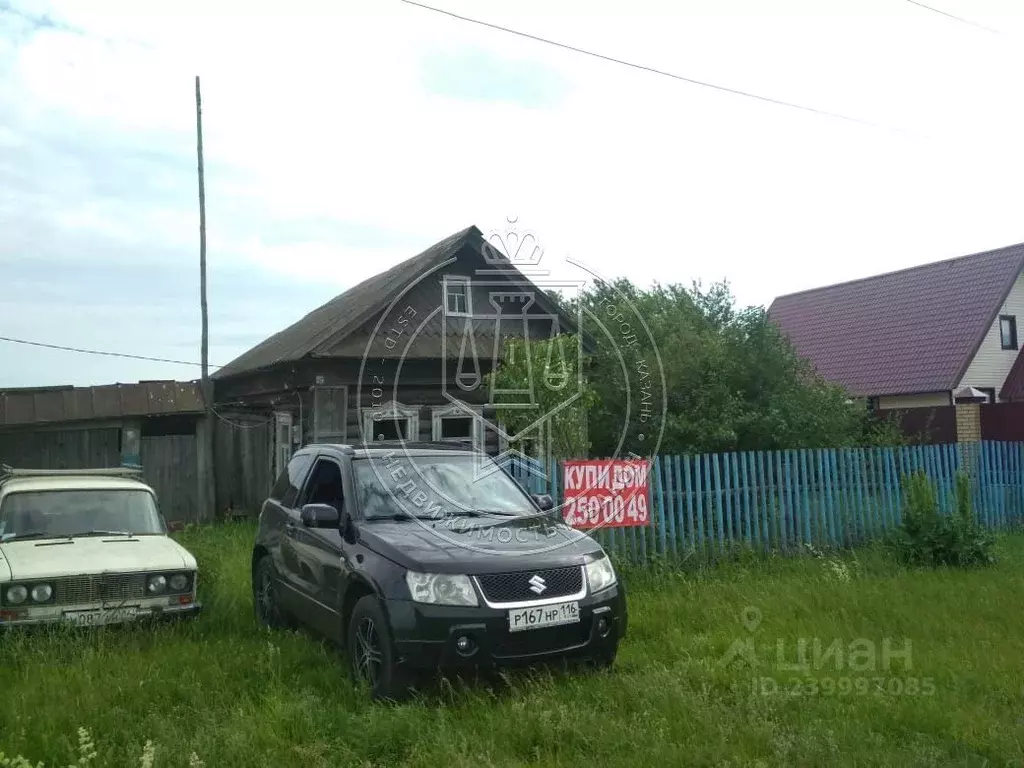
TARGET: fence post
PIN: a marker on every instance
(678, 528)
(713, 458)
(661, 547)
(693, 483)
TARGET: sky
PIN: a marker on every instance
(343, 137)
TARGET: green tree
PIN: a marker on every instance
(549, 369)
(732, 382)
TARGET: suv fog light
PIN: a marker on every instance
(465, 645)
(602, 627)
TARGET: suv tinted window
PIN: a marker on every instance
(324, 486)
(286, 489)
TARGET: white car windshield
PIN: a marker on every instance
(58, 514)
(437, 486)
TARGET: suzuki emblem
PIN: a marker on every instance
(537, 584)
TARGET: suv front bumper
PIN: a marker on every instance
(427, 636)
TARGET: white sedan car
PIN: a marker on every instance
(88, 547)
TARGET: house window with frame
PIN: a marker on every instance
(458, 301)
(452, 424)
(1008, 331)
(392, 421)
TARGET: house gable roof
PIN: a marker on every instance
(905, 332)
(327, 326)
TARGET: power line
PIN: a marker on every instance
(957, 18)
(645, 68)
(99, 352)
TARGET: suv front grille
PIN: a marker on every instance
(106, 587)
(516, 587)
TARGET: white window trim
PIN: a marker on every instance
(283, 449)
(455, 411)
(469, 295)
(393, 410)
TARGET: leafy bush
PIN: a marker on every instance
(928, 537)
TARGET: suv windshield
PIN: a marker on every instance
(57, 514)
(436, 486)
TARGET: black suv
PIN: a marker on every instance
(416, 557)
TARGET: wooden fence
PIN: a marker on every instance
(783, 500)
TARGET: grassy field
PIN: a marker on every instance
(236, 696)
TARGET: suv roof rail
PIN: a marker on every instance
(8, 472)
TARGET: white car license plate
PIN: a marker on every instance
(104, 616)
(543, 616)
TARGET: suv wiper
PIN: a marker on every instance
(129, 534)
(22, 535)
(404, 516)
(484, 513)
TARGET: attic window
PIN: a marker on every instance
(456, 292)
(1008, 331)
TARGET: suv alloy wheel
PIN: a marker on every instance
(371, 652)
(264, 597)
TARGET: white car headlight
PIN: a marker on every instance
(600, 574)
(17, 594)
(156, 584)
(179, 582)
(441, 588)
(41, 593)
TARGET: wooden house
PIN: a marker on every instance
(400, 355)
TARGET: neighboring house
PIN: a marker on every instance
(400, 355)
(916, 337)
(152, 423)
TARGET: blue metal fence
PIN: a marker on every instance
(783, 500)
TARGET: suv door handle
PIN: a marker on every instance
(289, 530)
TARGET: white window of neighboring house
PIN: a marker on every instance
(392, 421)
(451, 424)
(457, 297)
(1008, 331)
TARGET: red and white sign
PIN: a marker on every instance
(606, 494)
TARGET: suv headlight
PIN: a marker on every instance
(600, 574)
(441, 588)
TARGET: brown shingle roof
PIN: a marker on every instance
(42, 405)
(904, 332)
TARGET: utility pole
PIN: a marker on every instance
(206, 460)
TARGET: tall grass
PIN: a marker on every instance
(222, 692)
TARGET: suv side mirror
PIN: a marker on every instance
(320, 516)
(544, 501)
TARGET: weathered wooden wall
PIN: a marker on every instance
(169, 465)
(244, 452)
(169, 462)
(61, 448)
